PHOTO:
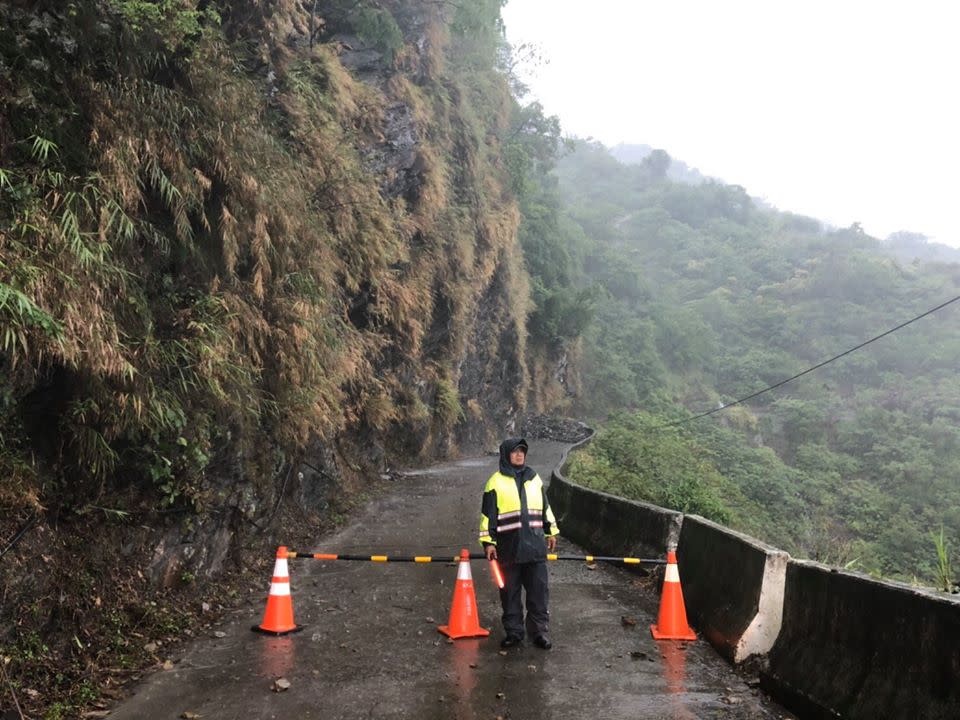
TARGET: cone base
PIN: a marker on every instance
(276, 633)
(681, 635)
(453, 635)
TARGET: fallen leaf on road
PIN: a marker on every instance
(503, 652)
(590, 566)
(532, 668)
(473, 665)
(219, 634)
(168, 664)
(638, 655)
(628, 621)
(280, 684)
(429, 620)
(187, 715)
(501, 696)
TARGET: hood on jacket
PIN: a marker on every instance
(507, 447)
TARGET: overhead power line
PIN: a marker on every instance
(809, 369)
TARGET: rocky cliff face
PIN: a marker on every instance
(253, 256)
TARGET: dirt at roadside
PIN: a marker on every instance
(80, 617)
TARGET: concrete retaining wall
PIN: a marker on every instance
(855, 647)
(609, 525)
(732, 586)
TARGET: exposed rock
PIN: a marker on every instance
(200, 549)
(554, 428)
(396, 158)
(357, 55)
(316, 476)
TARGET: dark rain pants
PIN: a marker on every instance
(531, 577)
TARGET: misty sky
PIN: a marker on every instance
(846, 111)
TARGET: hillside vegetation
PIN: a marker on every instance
(704, 298)
(252, 255)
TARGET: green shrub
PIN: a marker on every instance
(379, 28)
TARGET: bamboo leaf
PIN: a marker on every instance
(42, 148)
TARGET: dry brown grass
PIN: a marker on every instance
(205, 257)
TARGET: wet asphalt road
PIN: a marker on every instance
(370, 648)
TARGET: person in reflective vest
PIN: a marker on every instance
(517, 528)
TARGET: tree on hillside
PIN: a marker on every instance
(708, 298)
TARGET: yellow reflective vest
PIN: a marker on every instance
(516, 516)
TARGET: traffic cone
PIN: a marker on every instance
(672, 621)
(464, 620)
(278, 617)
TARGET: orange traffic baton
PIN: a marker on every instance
(497, 575)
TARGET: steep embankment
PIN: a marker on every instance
(248, 252)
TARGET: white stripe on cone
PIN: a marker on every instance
(282, 572)
(672, 574)
(463, 572)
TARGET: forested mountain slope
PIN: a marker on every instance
(704, 298)
(252, 255)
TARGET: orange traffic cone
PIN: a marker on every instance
(672, 621)
(278, 617)
(464, 620)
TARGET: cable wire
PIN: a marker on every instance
(808, 370)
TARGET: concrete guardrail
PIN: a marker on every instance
(837, 644)
(732, 587)
(855, 647)
(605, 524)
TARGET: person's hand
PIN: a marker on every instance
(552, 543)
(491, 551)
